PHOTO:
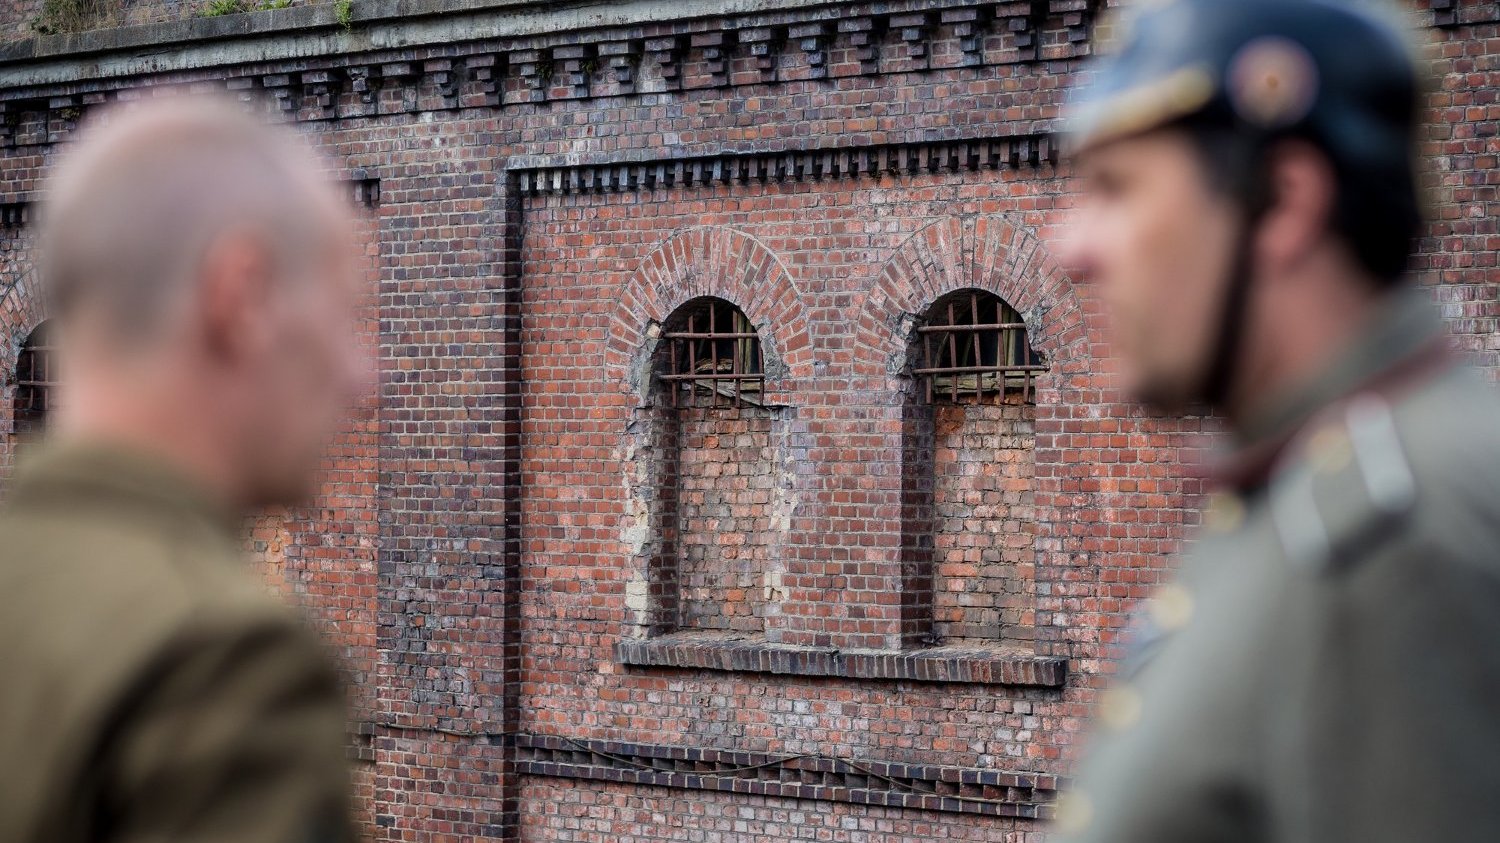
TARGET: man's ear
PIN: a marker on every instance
(1299, 216)
(235, 295)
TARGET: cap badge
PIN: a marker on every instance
(1272, 82)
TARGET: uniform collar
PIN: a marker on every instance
(69, 473)
(1404, 340)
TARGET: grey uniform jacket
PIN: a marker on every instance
(1326, 667)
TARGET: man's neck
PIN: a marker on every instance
(1291, 347)
(178, 440)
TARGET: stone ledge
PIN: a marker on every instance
(308, 32)
(973, 665)
(531, 16)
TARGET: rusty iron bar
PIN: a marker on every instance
(692, 359)
(978, 351)
(713, 350)
(734, 366)
(969, 370)
(722, 376)
(927, 357)
(998, 326)
(953, 348)
(675, 351)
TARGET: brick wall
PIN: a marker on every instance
(728, 539)
(16, 17)
(984, 527)
(509, 540)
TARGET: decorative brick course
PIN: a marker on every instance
(929, 788)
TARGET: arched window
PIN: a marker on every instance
(717, 469)
(712, 358)
(970, 452)
(974, 348)
(36, 376)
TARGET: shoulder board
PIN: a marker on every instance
(1343, 484)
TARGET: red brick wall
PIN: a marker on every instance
(727, 539)
(494, 528)
(985, 529)
(841, 555)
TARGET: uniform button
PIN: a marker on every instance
(1120, 707)
(1329, 450)
(1172, 607)
(1225, 513)
(1075, 812)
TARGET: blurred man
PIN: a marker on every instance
(1325, 667)
(200, 278)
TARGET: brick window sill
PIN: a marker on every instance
(752, 654)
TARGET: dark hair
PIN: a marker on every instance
(1376, 212)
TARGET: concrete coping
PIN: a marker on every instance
(373, 25)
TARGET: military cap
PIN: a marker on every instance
(1339, 74)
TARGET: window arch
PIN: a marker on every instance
(36, 378)
(974, 347)
(968, 508)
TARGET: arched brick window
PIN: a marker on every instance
(974, 348)
(36, 377)
(712, 453)
(711, 356)
(971, 457)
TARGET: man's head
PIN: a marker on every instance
(200, 270)
(1246, 171)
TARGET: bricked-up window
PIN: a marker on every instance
(970, 522)
(718, 474)
(713, 357)
(974, 349)
(36, 377)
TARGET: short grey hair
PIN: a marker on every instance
(133, 207)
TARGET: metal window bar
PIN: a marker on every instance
(710, 367)
(977, 349)
(35, 378)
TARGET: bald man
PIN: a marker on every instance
(200, 276)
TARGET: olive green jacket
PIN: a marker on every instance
(1326, 667)
(151, 688)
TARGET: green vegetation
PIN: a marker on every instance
(219, 8)
(58, 17)
(343, 12)
(63, 16)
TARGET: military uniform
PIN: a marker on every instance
(1325, 668)
(151, 689)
